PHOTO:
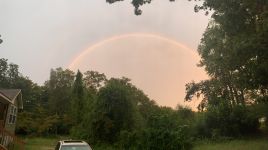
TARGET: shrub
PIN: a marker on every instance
(224, 120)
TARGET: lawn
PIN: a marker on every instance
(38, 143)
(246, 144)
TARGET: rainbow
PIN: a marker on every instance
(84, 53)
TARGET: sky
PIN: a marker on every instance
(156, 50)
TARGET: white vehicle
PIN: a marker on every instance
(72, 145)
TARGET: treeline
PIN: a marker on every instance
(115, 113)
(111, 112)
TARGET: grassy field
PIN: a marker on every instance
(246, 144)
(38, 143)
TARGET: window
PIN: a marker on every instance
(12, 115)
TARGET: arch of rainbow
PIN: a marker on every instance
(84, 53)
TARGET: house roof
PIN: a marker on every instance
(11, 95)
(2, 95)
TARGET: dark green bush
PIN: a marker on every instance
(223, 120)
(157, 139)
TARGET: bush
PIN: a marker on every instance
(157, 139)
(223, 120)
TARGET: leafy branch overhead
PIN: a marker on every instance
(136, 3)
(1, 40)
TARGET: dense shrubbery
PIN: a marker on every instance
(116, 114)
(122, 116)
(221, 120)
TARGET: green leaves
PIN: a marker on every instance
(136, 4)
(115, 110)
(93, 108)
(59, 90)
(234, 52)
(94, 80)
(1, 40)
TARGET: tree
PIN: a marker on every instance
(3, 73)
(78, 99)
(233, 48)
(10, 77)
(234, 52)
(31, 93)
(13, 73)
(94, 80)
(59, 89)
(84, 99)
(114, 110)
(212, 91)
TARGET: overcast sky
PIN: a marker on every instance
(43, 34)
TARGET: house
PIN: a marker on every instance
(10, 103)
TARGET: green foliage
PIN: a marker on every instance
(114, 110)
(165, 130)
(234, 47)
(121, 116)
(234, 52)
(94, 80)
(136, 4)
(37, 122)
(10, 77)
(59, 89)
(223, 120)
(1, 41)
(158, 139)
(78, 99)
(167, 133)
(9, 73)
(116, 114)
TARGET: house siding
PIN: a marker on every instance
(10, 126)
